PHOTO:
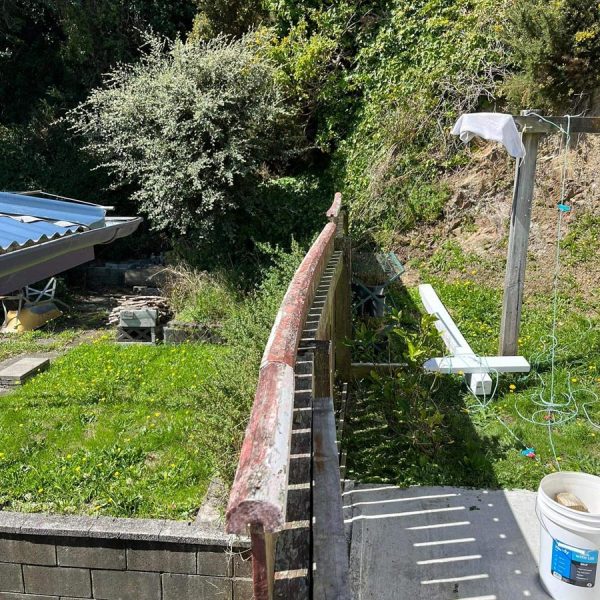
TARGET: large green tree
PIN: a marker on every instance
(52, 52)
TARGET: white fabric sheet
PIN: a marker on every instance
(491, 126)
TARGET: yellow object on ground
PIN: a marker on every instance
(30, 317)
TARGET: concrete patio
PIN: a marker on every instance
(442, 543)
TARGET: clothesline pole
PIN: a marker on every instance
(518, 242)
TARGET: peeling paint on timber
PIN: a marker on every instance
(334, 209)
(259, 493)
(287, 330)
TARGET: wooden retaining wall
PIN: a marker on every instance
(286, 493)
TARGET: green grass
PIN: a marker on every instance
(139, 431)
(475, 446)
(114, 430)
(582, 241)
(35, 341)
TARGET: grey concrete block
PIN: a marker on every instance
(163, 558)
(93, 554)
(149, 276)
(15, 596)
(60, 525)
(11, 522)
(219, 564)
(57, 581)
(179, 532)
(178, 587)
(11, 578)
(204, 534)
(242, 564)
(242, 589)
(126, 529)
(126, 585)
(27, 550)
(22, 369)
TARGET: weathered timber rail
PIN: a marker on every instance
(286, 492)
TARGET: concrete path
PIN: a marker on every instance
(442, 543)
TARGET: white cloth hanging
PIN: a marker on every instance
(491, 126)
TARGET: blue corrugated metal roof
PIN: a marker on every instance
(29, 220)
(90, 215)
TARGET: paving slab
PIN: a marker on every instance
(18, 371)
(442, 543)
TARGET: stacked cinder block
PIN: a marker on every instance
(71, 558)
(137, 326)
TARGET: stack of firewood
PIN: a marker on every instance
(160, 303)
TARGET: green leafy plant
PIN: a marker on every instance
(189, 126)
(404, 397)
(405, 430)
(556, 47)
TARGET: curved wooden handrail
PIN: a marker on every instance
(334, 209)
(259, 492)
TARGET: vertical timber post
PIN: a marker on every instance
(263, 562)
(520, 222)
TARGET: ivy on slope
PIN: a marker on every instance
(430, 61)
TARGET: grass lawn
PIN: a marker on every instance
(35, 341)
(114, 430)
(457, 441)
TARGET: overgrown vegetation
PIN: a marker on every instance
(556, 46)
(52, 54)
(199, 297)
(228, 124)
(36, 341)
(188, 126)
(417, 428)
(368, 89)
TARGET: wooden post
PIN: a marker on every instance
(520, 222)
(330, 549)
(263, 562)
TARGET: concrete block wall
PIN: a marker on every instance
(71, 558)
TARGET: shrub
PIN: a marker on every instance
(232, 17)
(556, 47)
(429, 62)
(247, 330)
(189, 126)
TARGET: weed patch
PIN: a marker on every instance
(479, 444)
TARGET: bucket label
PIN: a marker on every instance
(574, 565)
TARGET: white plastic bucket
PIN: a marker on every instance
(570, 539)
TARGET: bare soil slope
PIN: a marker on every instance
(472, 235)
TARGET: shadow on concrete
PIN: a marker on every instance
(442, 543)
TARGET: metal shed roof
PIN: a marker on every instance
(28, 220)
(82, 213)
(40, 237)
